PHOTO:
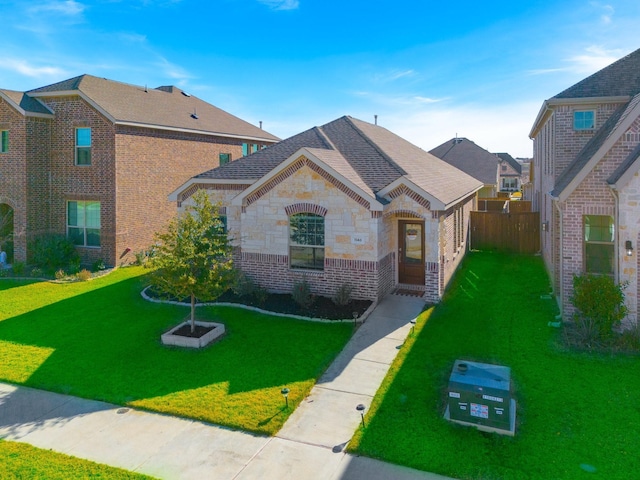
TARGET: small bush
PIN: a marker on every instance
(36, 272)
(60, 274)
(141, 258)
(600, 304)
(4, 272)
(98, 266)
(51, 252)
(302, 294)
(342, 296)
(83, 275)
(261, 295)
(18, 268)
(244, 286)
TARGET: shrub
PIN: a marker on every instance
(301, 294)
(141, 258)
(261, 295)
(36, 272)
(4, 272)
(244, 286)
(60, 274)
(83, 275)
(18, 268)
(343, 295)
(51, 252)
(98, 266)
(600, 304)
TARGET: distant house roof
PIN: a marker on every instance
(163, 107)
(25, 104)
(505, 157)
(470, 158)
(370, 156)
(621, 78)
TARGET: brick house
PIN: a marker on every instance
(586, 182)
(498, 172)
(345, 203)
(95, 159)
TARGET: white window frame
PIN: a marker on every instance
(81, 224)
(78, 147)
(582, 128)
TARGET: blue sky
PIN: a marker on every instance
(429, 70)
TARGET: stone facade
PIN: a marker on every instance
(360, 244)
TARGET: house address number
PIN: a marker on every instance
(358, 239)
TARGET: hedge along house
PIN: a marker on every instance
(345, 203)
(95, 159)
(587, 181)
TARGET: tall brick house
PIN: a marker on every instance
(586, 182)
(95, 160)
(345, 203)
(499, 172)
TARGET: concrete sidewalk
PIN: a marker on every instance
(310, 445)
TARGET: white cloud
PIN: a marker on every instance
(606, 12)
(22, 67)
(68, 8)
(281, 4)
(593, 59)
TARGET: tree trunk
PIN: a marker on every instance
(193, 313)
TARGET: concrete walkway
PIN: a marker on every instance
(310, 445)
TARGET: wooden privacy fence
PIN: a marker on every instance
(516, 232)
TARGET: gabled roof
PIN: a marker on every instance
(621, 78)
(597, 147)
(470, 158)
(368, 155)
(505, 157)
(24, 104)
(162, 107)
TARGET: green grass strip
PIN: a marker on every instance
(101, 340)
(578, 415)
(21, 461)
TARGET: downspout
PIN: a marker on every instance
(561, 259)
(616, 223)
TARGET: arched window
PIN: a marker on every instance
(306, 241)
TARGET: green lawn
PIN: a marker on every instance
(101, 340)
(576, 411)
(21, 461)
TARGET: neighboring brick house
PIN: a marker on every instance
(345, 203)
(95, 159)
(586, 183)
(498, 172)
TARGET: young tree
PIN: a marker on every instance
(192, 258)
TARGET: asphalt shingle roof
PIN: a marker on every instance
(621, 78)
(167, 107)
(368, 155)
(470, 158)
(511, 161)
(28, 104)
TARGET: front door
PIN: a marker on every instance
(410, 252)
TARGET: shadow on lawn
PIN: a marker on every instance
(106, 345)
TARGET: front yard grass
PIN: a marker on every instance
(101, 340)
(22, 461)
(577, 412)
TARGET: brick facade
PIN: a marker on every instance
(131, 173)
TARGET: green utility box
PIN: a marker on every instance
(479, 395)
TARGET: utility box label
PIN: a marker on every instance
(480, 411)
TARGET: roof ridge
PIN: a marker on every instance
(375, 146)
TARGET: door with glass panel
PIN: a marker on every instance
(411, 252)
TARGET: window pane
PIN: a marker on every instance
(72, 214)
(584, 120)
(4, 141)
(92, 214)
(93, 237)
(598, 228)
(83, 137)
(245, 149)
(224, 158)
(83, 156)
(76, 235)
(307, 257)
(599, 258)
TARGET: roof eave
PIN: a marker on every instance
(195, 131)
(22, 111)
(173, 196)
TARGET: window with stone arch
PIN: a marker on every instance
(306, 241)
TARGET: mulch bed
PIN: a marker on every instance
(199, 331)
(321, 307)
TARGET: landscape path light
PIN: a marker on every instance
(285, 394)
(360, 408)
